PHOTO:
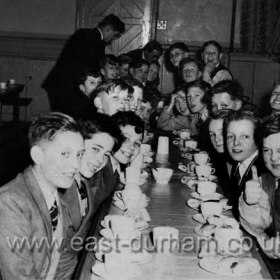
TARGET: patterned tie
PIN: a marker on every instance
(277, 197)
(235, 175)
(83, 190)
(54, 215)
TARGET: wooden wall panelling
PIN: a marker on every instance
(38, 70)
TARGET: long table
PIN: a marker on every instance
(167, 207)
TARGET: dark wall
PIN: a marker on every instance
(38, 16)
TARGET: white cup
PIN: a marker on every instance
(210, 208)
(3, 85)
(206, 188)
(185, 134)
(12, 81)
(165, 239)
(190, 144)
(201, 158)
(204, 171)
(163, 145)
(122, 227)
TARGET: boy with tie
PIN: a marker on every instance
(34, 217)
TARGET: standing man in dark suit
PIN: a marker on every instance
(151, 52)
(82, 52)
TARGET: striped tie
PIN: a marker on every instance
(83, 190)
(54, 215)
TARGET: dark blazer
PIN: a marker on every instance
(24, 214)
(103, 184)
(82, 51)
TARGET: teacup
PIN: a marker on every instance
(204, 171)
(3, 85)
(122, 227)
(165, 239)
(190, 144)
(211, 208)
(12, 81)
(184, 134)
(201, 158)
(206, 188)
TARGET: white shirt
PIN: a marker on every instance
(246, 163)
(116, 167)
(100, 33)
(50, 197)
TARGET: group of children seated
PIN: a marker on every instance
(78, 157)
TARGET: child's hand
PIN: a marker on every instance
(253, 188)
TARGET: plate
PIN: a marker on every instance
(199, 218)
(230, 266)
(99, 270)
(119, 204)
(193, 203)
(214, 196)
(205, 230)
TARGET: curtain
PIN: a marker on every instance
(260, 27)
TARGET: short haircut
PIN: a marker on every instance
(132, 81)
(101, 123)
(124, 59)
(155, 62)
(205, 87)
(129, 118)
(232, 87)
(250, 116)
(109, 86)
(113, 21)
(109, 59)
(187, 60)
(153, 45)
(214, 43)
(47, 126)
(138, 63)
(89, 73)
(179, 45)
(271, 126)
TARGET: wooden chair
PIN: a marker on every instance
(20, 101)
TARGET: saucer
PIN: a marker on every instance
(199, 218)
(99, 270)
(205, 230)
(214, 196)
(230, 266)
(193, 203)
(119, 204)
